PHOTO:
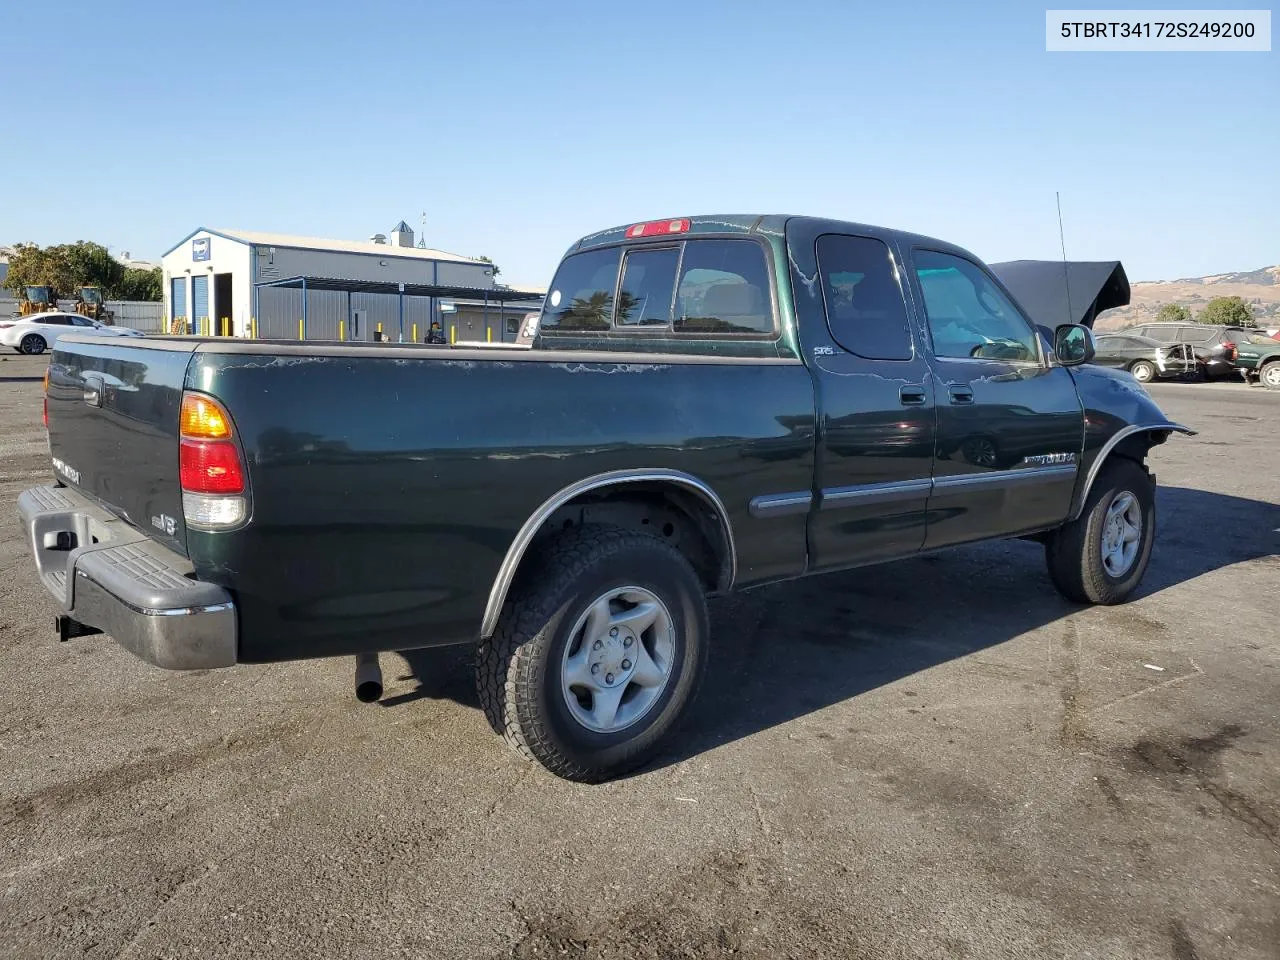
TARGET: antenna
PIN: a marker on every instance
(1066, 279)
(422, 237)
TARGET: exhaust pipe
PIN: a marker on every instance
(368, 678)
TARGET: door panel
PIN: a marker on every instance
(1006, 457)
(877, 408)
(200, 303)
(1010, 427)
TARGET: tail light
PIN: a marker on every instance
(210, 468)
(1230, 349)
(46, 398)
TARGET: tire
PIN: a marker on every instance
(1075, 553)
(1269, 375)
(33, 344)
(525, 671)
(1143, 371)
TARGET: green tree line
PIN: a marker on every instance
(69, 266)
(1223, 311)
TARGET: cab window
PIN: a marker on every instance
(648, 281)
(968, 314)
(865, 309)
(724, 288)
(581, 295)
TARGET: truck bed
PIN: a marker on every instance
(388, 481)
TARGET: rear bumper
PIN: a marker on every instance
(106, 575)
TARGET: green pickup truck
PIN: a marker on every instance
(1259, 356)
(708, 404)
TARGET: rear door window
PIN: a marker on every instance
(865, 309)
(581, 295)
(1163, 334)
(1195, 335)
(724, 288)
(648, 283)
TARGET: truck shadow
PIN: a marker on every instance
(784, 651)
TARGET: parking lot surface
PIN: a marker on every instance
(935, 758)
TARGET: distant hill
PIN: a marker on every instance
(1259, 288)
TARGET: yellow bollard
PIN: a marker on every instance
(225, 322)
(488, 334)
(415, 333)
(300, 330)
(253, 327)
(379, 331)
(342, 329)
(453, 334)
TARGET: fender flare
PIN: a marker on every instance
(1095, 468)
(515, 553)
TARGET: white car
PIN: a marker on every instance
(35, 333)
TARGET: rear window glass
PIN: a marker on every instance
(581, 295)
(724, 288)
(865, 309)
(648, 280)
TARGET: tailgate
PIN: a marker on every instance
(113, 427)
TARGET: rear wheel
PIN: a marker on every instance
(1143, 371)
(1269, 376)
(33, 343)
(596, 656)
(1102, 556)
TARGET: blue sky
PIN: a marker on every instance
(518, 127)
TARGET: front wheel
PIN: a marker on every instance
(1269, 376)
(597, 655)
(1143, 371)
(33, 344)
(1102, 556)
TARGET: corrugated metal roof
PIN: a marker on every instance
(345, 246)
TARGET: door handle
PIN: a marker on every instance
(960, 393)
(911, 395)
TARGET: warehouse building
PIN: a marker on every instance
(241, 283)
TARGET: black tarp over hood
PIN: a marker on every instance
(1038, 286)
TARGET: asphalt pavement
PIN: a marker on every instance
(934, 758)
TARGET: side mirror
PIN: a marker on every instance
(1074, 344)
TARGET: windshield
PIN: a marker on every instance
(91, 295)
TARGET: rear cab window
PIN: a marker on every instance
(866, 312)
(695, 287)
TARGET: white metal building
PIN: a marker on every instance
(218, 282)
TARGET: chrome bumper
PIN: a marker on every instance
(105, 574)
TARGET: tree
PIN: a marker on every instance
(482, 258)
(31, 265)
(69, 266)
(93, 266)
(1231, 311)
(139, 284)
(1174, 313)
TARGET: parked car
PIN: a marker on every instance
(1259, 357)
(709, 404)
(1145, 358)
(1214, 346)
(35, 332)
